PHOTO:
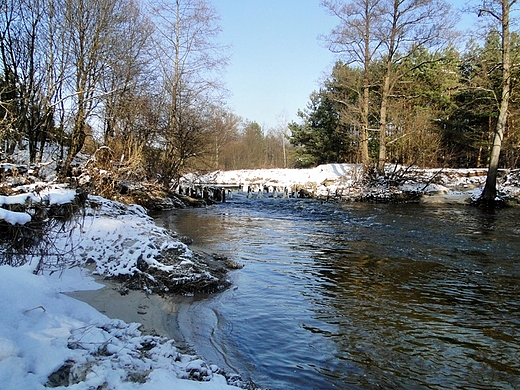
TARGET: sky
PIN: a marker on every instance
(277, 59)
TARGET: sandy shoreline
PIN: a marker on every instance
(185, 320)
(157, 315)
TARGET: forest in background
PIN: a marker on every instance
(137, 85)
(442, 113)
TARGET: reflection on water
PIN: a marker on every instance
(361, 296)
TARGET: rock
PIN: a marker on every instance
(461, 198)
(141, 265)
(186, 240)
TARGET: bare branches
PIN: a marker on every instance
(140, 79)
(190, 58)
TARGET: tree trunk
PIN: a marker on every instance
(365, 159)
(490, 190)
(382, 123)
(77, 140)
(367, 58)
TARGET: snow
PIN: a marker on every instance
(321, 178)
(48, 338)
(43, 330)
(52, 195)
(17, 199)
(347, 182)
(116, 236)
(58, 196)
(14, 217)
(113, 235)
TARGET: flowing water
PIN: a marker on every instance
(359, 296)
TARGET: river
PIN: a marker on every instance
(359, 296)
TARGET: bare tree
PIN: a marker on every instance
(253, 149)
(23, 74)
(190, 57)
(281, 132)
(389, 31)
(128, 86)
(500, 11)
(224, 126)
(127, 72)
(356, 40)
(407, 26)
(55, 54)
(89, 26)
(10, 18)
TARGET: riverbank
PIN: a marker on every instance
(155, 313)
(168, 316)
(349, 182)
(87, 348)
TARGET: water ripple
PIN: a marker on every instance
(358, 296)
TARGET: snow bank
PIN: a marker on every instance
(323, 180)
(347, 182)
(47, 338)
(57, 195)
(14, 217)
(122, 241)
(289, 177)
(18, 199)
(50, 195)
(116, 237)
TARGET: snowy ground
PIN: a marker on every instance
(48, 339)
(346, 182)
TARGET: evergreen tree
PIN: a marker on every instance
(320, 138)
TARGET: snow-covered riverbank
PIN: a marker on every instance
(48, 339)
(348, 183)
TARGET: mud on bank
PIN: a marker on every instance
(203, 274)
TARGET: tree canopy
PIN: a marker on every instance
(432, 105)
(140, 83)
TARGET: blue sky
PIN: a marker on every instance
(277, 59)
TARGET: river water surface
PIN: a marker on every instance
(359, 296)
